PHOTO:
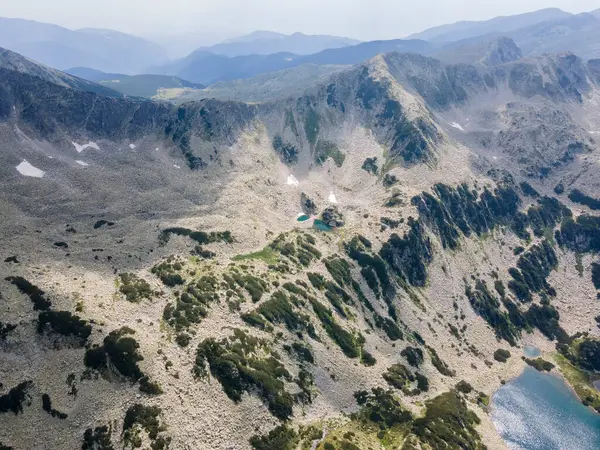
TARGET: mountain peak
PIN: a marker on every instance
(502, 50)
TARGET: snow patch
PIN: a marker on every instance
(292, 181)
(29, 171)
(82, 147)
(594, 132)
(156, 149)
(176, 166)
(81, 163)
(332, 198)
(457, 126)
(131, 146)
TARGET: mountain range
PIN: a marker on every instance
(328, 257)
(61, 48)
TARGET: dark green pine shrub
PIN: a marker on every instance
(410, 255)
(546, 319)
(390, 328)
(448, 424)
(464, 387)
(149, 387)
(14, 399)
(389, 180)
(97, 438)
(451, 212)
(596, 275)
(577, 196)
(367, 359)
(589, 354)
(168, 273)
(539, 364)
(200, 237)
(147, 418)
(486, 305)
(501, 355)
(65, 323)
(279, 310)
(528, 190)
(120, 351)
(534, 266)
(134, 288)
(439, 364)
(413, 355)
(279, 438)
(242, 363)
(370, 165)
(183, 339)
(546, 214)
(382, 408)
(191, 305)
(582, 234)
(345, 340)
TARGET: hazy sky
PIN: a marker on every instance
(361, 19)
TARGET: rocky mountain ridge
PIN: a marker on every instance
(165, 294)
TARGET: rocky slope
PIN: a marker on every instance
(158, 290)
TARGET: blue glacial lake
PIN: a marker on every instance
(538, 411)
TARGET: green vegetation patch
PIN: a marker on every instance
(501, 355)
(539, 364)
(139, 419)
(134, 288)
(169, 272)
(350, 345)
(200, 237)
(191, 305)
(580, 379)
(279, 438)
(370, 165)
(243, 363)
(97, 438)
(119, 352)
(268, 255)
(486, 305)
(400, 377)
(325, 150)
(279, 310)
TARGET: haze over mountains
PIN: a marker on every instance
(264, 52)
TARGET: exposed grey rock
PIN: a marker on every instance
(333, 217)
(308, 206)
(502, 50)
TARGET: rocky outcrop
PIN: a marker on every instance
(502, 50)
(333, 217)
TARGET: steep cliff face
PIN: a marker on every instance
(160, 289)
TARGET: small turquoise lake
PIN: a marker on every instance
(538, 411)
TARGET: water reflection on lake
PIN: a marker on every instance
(538, 411)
